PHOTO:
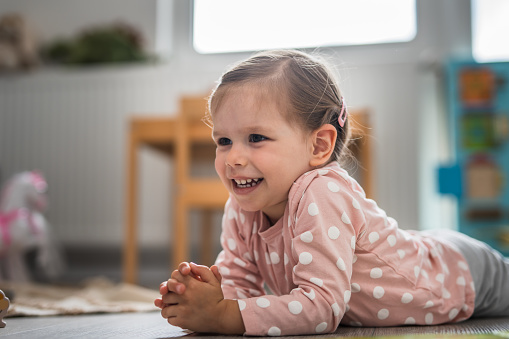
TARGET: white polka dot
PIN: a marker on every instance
(333, 232)
(378, 292)
(255, 227)
(463, 265)
(323, 172)
(401, 254)
(409, 321)
(373, 236)
(464, 308)
(313, 209)
(424, 274)
(333, 187)
(311, 295)
(242, 304)
(305, 258)
(356, 323)
(232, 245)
(295, 307)
(375, 273)
(247, 256)
(241, 294)
(391, 240)
(256, 255)
(318, 282)
(406, 298)
(242, 217)
(356, 204)
(356, 288)
(335, 309)
(274, 331)
(345, 218)
(263, 302)
(440, 277)
(347, 295)
(321, 327)
(224, 270)
(354, 259)
(428, 318)
(306, 237)
(341, 264)
(274, 258)
(227, 282)
(251, 278)
(461, 281)
(286, 259)
(232, 214)
(453, 313)
(445, 293)
(240, 262)
(383, 314)
(429, 304)
(352, 242)
(417, 270)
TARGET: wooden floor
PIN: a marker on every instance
(151, 325)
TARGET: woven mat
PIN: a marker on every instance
(97, 295)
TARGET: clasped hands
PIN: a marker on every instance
(192, 299)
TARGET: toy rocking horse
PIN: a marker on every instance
(23, 227)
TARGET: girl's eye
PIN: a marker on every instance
(256, 138)
(224, 142)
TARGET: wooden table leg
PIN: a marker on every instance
(130, 251)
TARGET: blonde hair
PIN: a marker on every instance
(302, 85)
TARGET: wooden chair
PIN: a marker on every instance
(204, 194)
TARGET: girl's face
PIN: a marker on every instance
(259, 153)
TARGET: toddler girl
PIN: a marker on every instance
(304, 250)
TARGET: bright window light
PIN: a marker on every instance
(221, 26)
(490, 28)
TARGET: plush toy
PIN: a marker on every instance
(23, 227)
(4, 307)
(18, 48)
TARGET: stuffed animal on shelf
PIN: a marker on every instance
(4, 307)
(18, 48)
(23, 227)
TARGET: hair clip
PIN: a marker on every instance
(343, 113)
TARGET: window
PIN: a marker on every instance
(246, 25)
(490, 28)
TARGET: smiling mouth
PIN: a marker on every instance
(245, 183)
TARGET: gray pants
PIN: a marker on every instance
(490, 272)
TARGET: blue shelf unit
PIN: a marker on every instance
(478, 100)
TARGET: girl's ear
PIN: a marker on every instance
(323, 143)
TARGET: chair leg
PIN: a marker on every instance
(207, 239)
(180, 239)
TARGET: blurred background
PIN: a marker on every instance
(83, 69)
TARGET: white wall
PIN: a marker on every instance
(393, 80)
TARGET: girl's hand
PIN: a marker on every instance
(172, 285)
(201, 307)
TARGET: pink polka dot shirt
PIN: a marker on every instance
(335, 257)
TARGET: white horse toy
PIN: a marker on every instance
(23, 227)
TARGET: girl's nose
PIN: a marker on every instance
(236, 156)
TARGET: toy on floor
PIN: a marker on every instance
(4, 307)
(23, 227)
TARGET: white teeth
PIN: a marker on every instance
(246, 182)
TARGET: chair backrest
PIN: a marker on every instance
(193, 108)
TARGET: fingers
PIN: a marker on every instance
(184, 268)
(204, 273)
(215, 270)
(159, 303)
(175, 286)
